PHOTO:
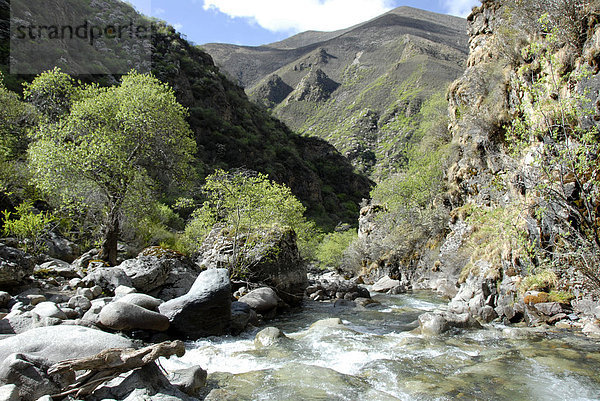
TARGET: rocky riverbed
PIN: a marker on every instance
(345, 340)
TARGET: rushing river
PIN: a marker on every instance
(377, 355)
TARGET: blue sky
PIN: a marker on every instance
(256, 22)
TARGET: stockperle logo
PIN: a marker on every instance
(80, 37)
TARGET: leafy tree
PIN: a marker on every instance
(111, 145)
(245, 201)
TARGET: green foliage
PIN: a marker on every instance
(52, 93)
(564, 160)
(330, 252)
(110, 146)
(30, 227)
(244, 202)
(544, 280)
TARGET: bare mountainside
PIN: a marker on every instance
(361, 88)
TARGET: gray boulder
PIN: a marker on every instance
(58, 343)
(270, 257)
(49, 309)
(9, 392)
(261, 299)
(108, 278)
(438, 322)
(5, 298)
(190, 380)
(15, 265)
(143, 300)
(126, 316)
(79, 302)
(386, 284)
(18, 321)
(28, 374)
(241, 314)
(268, 337)
(205, 310)
(147, 383)
(59, 268)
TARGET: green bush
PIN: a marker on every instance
(29, 227)
(330, 252)
(245, 201)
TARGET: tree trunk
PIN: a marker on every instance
(110, 242)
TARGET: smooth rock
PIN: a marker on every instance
(79, 301)
(49, 309)
(334, 322)
(124, 290)
(240, 316)
(125, 316)
(385, 284)
(58, 343)
(205, 310)
(96, 291)
(86, 292)
(28, 374)
(148, 272)
(9, 392)
(190, 380)
(268, 337)
(262, 299)
(35, 299)
(143, 300)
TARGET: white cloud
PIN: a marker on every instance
(178, 26)
(460, 8)
(158, 11)
(302, 15)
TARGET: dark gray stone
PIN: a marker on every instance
(261, 299)
(205, 310)
(190, 380)
(15, 265)
(125, 316)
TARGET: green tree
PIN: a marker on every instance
(245, 201)
(110, 146)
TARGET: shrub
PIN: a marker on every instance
(330, 251)
(29, 227)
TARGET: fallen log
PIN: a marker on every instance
(109, 364)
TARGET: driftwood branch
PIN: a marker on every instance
(109, 364)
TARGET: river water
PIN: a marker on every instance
(377, 355)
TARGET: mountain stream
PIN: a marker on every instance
(377, 355)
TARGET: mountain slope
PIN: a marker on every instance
(361, 88)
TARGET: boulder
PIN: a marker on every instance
(205, 310)
(127, 316)
(49, 309)
(15, 266)
(9, 392)
(269, 337)
(60, 248)
(146, 272)
(57, 267)
(190, 380)
(386, 284)
(58, 343)
(549, 308)
(270, 257)
(17, 322)
(143, 300)
(28, 374)
(109, 278)
(147, 383)
(240, 316)
(79, 302)
(261, 299)
(5, 298)
(438, 322)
